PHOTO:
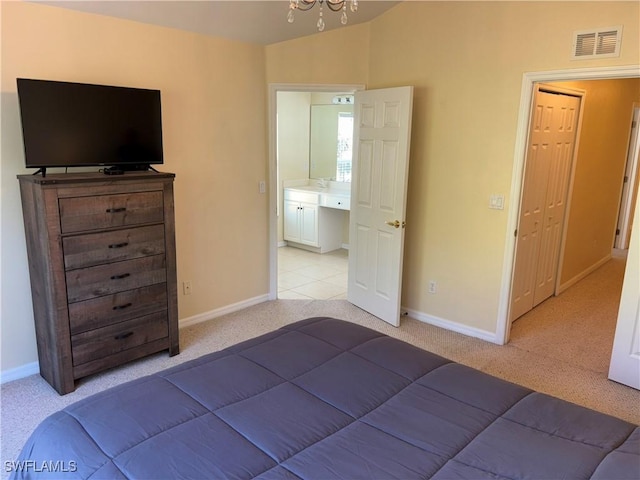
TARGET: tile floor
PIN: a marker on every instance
(307, 275)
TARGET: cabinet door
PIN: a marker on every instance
(309, 225)
(292, 221)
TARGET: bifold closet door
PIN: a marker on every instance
(546, 182)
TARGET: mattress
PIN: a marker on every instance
(324, 398)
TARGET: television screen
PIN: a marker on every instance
(68, 124)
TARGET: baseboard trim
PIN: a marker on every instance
(619, 253)
(34, 367)
(218, 312)
(19, 372)
(583, 274)
(454, 326)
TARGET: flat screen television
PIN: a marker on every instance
(66, 124)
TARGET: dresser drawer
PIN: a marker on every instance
(79, 214)
(106, 247)
(102, 342)
(111, 309)
(92, 282)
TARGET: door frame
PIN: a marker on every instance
(529, 79)
(630, 186)
(272, 109)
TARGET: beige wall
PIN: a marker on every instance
(599, 172)
(214, 123)
(466, 61)
(334, 57)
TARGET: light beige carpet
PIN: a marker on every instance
(561, 348)
(578, 326)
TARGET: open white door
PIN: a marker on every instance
(382, 130)
(625, 357)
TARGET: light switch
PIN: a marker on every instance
(263, 186)
(496, 202)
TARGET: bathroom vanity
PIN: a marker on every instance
(315, 172)
(314, 217)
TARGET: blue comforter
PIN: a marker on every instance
(324, 398)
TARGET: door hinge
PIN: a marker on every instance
(515, 232)
(626, 179)
(617, 231)
(634, 124)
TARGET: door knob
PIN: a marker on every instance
(395, 223)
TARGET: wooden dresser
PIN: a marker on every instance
(102, 264)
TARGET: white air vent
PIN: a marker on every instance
(603, 42)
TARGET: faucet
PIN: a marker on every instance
(322, 183)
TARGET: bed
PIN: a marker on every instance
(325, 398)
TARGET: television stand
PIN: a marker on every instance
(42, 170)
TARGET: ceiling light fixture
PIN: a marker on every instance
(334, 6)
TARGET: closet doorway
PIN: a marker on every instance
(579, 266)
(549, 163)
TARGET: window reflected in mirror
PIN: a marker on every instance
(331, 142)
(345, 146)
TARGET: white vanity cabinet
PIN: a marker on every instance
(301, 222)
(308, 223)
(334, 200)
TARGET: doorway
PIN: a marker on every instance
(381, 145)
(529, 82)
(555, 117)
(276, 201)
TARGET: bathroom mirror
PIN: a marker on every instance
(331, 142)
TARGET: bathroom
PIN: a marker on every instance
(314, 152)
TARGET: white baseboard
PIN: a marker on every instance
(19, 372)
(619, 253)
(282, 244)
(454, 326)
(34, 367)
(218, 312)
(583, 274)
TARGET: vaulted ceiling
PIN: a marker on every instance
(263, 22)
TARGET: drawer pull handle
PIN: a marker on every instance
(118, 277)
(122, 307)
(122, 336)
(116, 210)
(118, 245)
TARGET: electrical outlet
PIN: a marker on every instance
(186, 288)
(433, 286)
